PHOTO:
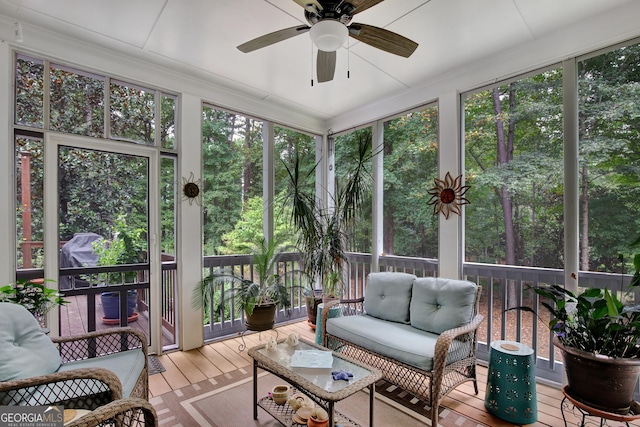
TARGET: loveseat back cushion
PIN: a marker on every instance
(25, 351)
(388, 296)
(439, 304)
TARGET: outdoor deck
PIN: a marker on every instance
(189, 367)
(73, 318)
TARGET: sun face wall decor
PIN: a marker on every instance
(448, 195)
(191, 189)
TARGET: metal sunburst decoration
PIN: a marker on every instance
(191, 189)
(448, 195)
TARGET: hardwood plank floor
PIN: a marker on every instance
(184, 368)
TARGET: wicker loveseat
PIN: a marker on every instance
(82, 372)
(420, 332)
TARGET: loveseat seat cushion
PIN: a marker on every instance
(439, 304)
(391, 339)
(127, 365)
(387, 296)
(25, 351)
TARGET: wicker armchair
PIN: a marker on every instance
(454, 360)
(82, 372)
(120, 413)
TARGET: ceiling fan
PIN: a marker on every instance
(329, 27)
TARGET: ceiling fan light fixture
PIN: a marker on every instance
(329, 35)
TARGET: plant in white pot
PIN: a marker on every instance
(599, 338)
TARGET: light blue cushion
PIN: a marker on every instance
(387, 296)
(395, 340)
(127, 365)
(25, 351)
(440, 304)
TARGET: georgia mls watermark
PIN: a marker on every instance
(31, 416)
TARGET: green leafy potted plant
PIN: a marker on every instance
(124, 248)
(323, 230)
(35, 297)
(258, 299)
(599, 338)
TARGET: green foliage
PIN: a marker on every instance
(126, 247)
(410, 165)
(35, 297)
(324, 230)
(271, 285)
(594, 321)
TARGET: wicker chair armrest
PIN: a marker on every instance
(127, 412)
(444, 343)
(53, 388)
(99, 343)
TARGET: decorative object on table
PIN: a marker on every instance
(293, 339)
(280, 394)
(318, 418)
(258, 300)
(511, 385)
(271, 345)
(341, 375)
(191, 189)
(597, 336)
(37, 298)
(299, 400)
(302, 414)
(448, 195)
(323, 231)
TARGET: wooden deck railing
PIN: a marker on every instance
(503, 286)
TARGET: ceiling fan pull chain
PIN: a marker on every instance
(348, 58)
(312, 64)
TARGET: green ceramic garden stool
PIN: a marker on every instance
(511, 383)
(335, 311)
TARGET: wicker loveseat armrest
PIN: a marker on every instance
(350, 307)
(100, 343)
(125, 413)
(77, 388)
(465, 347)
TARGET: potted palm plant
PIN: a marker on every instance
(258, 299)
(323, 230)
(599, 338)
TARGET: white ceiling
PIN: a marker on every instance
(201, 36)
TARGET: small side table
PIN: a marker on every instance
(335, 311)
(511, 386)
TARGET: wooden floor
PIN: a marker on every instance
(188, 367)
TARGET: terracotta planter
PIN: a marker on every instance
(262, 318)
(601, 382)
(315, 423)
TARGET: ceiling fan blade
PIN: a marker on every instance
(361, 5)
(383, 39)
(271, 38)
(304, 3)
(326, 66)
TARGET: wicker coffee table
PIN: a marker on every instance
(317, 383)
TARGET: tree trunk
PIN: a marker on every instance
(505, 154)
(246, 176)
(584, 206)
(388, 219)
